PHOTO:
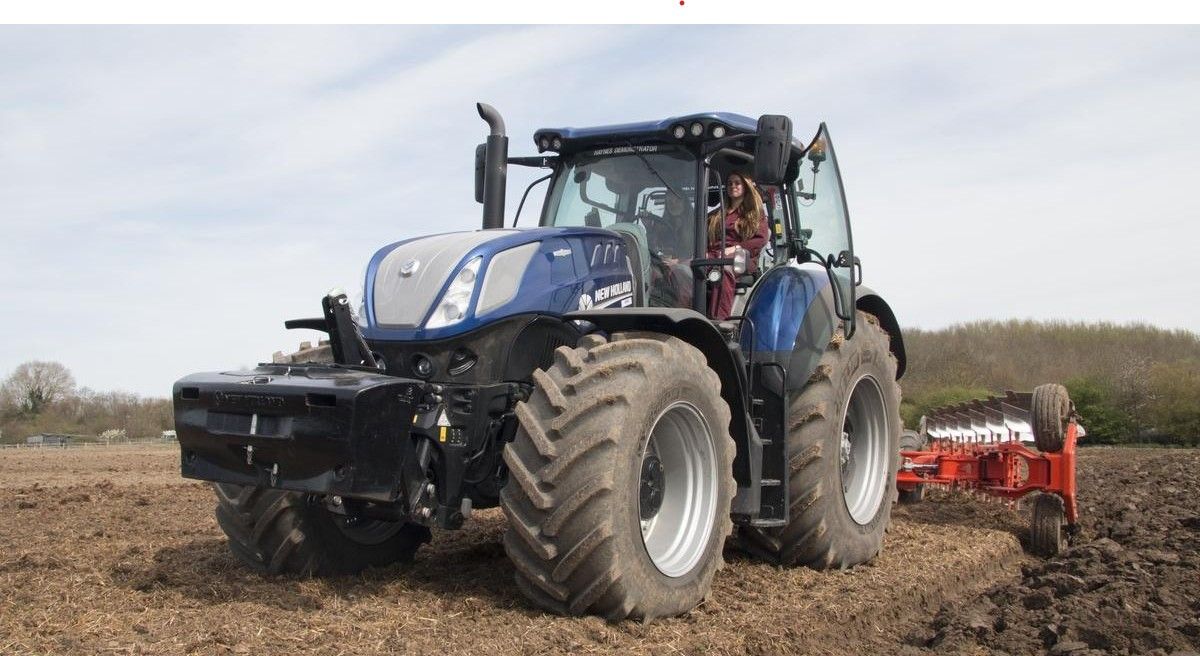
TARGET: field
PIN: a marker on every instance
(109, 551)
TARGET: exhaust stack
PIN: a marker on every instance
(495, 172)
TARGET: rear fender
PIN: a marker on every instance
(872, 303)
(790, 319)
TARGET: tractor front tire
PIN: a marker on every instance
(279, 532)
(843, 451)
(620, 480)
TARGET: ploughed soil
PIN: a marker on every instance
(1130, 583)
(107, 550)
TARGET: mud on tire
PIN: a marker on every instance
(821, 532)
(279, 532)
(573, 498)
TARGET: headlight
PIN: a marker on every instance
(453, 305)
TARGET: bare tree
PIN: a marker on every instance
(35, 385)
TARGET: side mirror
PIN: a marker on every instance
(772, 149)
(480, 168)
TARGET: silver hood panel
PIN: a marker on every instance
(402, 301)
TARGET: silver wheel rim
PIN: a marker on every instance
(676, 529)
(864, 453)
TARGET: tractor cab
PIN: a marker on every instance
(659, 184)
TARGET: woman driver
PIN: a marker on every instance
(745, 226)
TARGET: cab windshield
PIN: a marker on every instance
(646, 190)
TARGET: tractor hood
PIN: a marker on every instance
(442, 285)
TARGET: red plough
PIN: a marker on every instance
(981, 446)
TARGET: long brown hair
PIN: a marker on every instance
(749, 209)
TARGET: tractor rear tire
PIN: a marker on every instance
(620, 480)
(1051, 412)
(912, 441)
(834, 522)
(279, 532)
(1047, 529)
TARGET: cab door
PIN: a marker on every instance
(820, 203)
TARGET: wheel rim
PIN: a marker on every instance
(864, 453)
(677, 496)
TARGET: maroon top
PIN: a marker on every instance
(720, 297)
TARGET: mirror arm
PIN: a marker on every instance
(538, 162)
(711, 147)
(526, 195)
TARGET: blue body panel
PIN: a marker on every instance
(570, 266)
(779, 306)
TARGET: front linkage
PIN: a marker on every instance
(369, 444)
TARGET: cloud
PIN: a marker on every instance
(169, 195)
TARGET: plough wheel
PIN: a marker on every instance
(912, 441)
(1051, 412)
(1047, 532)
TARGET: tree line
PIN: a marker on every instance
(1130, 383)
(41, 397)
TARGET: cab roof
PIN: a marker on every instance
(573, 139)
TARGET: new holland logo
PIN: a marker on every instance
(612, 293)
(618, 294)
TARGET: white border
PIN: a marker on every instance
(604, 11)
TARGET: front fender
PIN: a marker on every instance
(695, 329)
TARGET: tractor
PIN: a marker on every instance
(575, 375)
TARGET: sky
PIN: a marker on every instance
(170, 195)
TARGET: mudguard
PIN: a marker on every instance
(790, 318)
(695, 329)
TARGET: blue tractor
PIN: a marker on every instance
(626, 384)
